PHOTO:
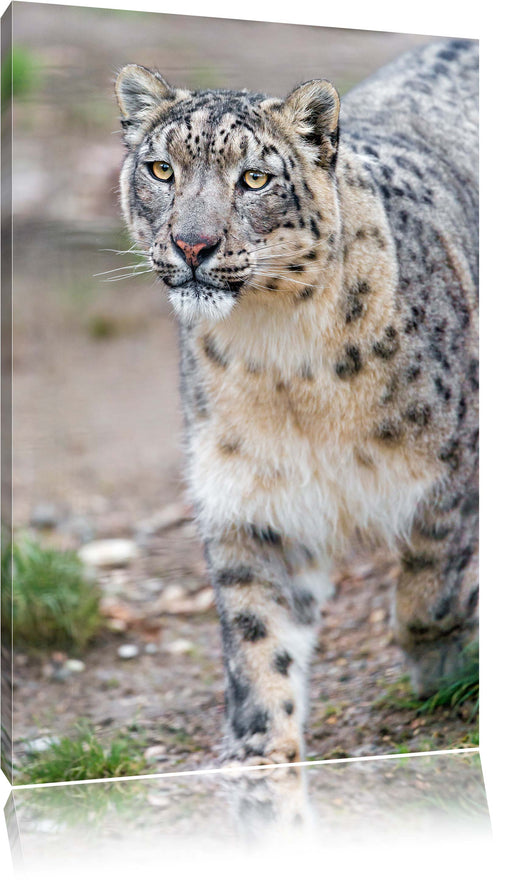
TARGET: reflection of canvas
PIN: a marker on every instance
(116, 640)
(386, 803)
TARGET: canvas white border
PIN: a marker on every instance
(487, 23)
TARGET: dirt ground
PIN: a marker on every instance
(173, 688)
(96, 419)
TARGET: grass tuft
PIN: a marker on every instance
(465, 687)
(53, 604)
(83, 757)
(451, 693)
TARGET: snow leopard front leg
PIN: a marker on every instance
(268, 595)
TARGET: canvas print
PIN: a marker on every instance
(244, 387)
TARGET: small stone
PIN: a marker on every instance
(151, 648)
(156, 798)
(45, 516)
(108, 553)
(117, 625)
(43, 743)
(170, 597)
(74, 665)
(128, 651)
(174, 599)
(155, 752)
(120, 616)
(179, 647)
(378, 615)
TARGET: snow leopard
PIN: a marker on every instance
(321, 256)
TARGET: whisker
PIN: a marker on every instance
(280, 276)
(296, 250)
(126, 251)
(127, 276)
(285, 265)
(258, 287)
(117, 269)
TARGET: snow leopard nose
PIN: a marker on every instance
(197, 252)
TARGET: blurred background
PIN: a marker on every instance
(84, 344)
(117, 644)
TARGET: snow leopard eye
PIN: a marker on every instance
(254, 179)
(161, 170)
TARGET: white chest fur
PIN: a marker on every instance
(300, 459)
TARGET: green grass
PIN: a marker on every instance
(53, 604)
(84, 757)
(465, 688)
(451, 694)
(19, 74)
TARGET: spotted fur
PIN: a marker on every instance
(328, 329)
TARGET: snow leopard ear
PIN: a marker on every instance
(138, 92)
(315, 110)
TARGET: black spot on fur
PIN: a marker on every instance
(266, 535)
(259, 722)
(460, 560)
(282, 662)
(451, 455)
(314, 228)
(473, 374)
(462, 409)
(362, 286)
(388, 345)
(304, 606)
(250, 722)
(288, 707)
(418, 629)
(355, 309)
(388, 431)
(412, 373)
(439, 356)
(472, 600)
(471, 503)
(419, 413)
(238, 689)
(355, 304)
(443, 391)
(442, 609)
(416, 563)
(232, 576)
(252, 628)
(435, 531)
(447, 55)
(350, 365)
